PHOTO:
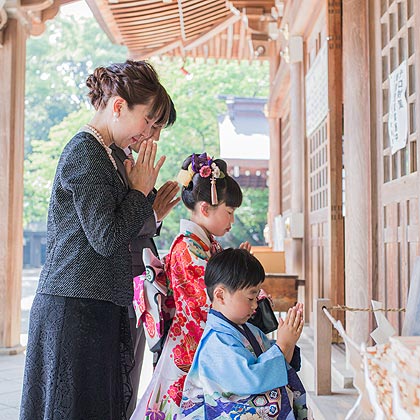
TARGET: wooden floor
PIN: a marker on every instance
(11, 374)
(343, 397)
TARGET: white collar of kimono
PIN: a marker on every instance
(220, 325)
(187, 226)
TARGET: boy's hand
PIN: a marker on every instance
(289, 330)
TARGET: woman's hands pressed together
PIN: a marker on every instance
(143, 174)
(165, 199)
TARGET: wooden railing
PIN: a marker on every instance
(322, 351)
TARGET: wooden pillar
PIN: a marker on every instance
(360, 200)
(334, 279)
(294, 245)
(297, 125)
(274, 178)
(12, 94)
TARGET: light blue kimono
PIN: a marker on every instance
(228, 381)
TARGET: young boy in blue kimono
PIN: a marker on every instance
(237, 372)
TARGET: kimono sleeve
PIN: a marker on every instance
(186, 267)
(224, 360)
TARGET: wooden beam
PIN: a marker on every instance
(204, 24)
(157, 35)
(35, 5)
(212, 32)
(151, 20)
(278, 90)
(105, 19)
(143, 5)
(181, 20)
(168, 47)
(242, 38)
(206, 16)
(301, 23)
(229, 45)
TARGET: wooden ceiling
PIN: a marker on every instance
(218, 29)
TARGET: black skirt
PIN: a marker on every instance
(78, 360)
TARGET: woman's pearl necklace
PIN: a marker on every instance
(95, 133)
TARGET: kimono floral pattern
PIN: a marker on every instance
(185, 266)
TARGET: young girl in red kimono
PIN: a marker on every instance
(212, 196)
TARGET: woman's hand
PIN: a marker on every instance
(165, 199)
(143, 174)
(245, 245)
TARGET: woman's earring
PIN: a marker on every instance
(115, 115)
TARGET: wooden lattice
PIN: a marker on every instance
(318, 168)
(398, 46)
(398, 174)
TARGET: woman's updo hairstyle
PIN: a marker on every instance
(200, 174)
(136, 82)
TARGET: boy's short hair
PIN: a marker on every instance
(234, 268)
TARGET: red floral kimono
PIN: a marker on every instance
(185, 266)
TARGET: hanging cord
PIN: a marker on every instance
(350, 309)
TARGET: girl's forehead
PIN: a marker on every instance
(223, 205)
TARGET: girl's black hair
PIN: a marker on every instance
(199, 189)
(234, 268)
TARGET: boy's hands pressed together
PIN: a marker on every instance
(289, 330)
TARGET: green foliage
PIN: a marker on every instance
(57, 66)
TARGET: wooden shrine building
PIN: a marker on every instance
(343, 117)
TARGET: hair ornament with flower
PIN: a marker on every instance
(205, 167)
